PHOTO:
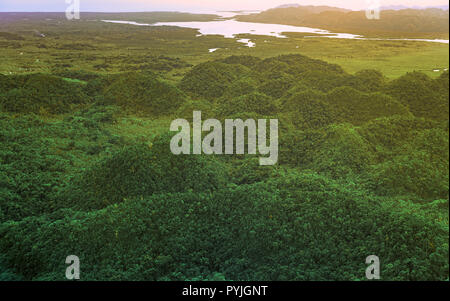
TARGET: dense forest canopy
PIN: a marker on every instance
(363, 170)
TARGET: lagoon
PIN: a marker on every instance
(230, 28)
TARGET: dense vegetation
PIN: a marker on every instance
(406, 21)
(48, 43)
(363, 170)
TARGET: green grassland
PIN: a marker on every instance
(92, 45)
(86, 167)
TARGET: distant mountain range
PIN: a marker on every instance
(391, 7)
(288, 5)
(313, 8)
(400, 7)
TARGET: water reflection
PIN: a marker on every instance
(233, 28)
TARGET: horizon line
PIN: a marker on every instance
(199, 12)
(212, 11)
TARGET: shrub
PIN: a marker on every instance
(307, 109)
(356, 107)
(337, 151)
(6, 83)
(43, 92)
(241, 87)
(296, 227)
(387, 135)
(253, 102)
(211, 79)
(142, 170)
(368, 81)
(421, 95)
(245, 60)
(140, 91)
(419, 168)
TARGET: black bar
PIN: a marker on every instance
(229, 290)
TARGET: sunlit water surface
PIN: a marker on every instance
(232, 28)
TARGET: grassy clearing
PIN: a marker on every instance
(92, 45)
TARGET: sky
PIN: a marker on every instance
(192, 5)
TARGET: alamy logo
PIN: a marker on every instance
(213, 141)
(73, 271)
(73, 10)
(373, 270)
(373, 9)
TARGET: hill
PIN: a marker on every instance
(411, 22)
(363, 169)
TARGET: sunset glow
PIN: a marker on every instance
(193, 5)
